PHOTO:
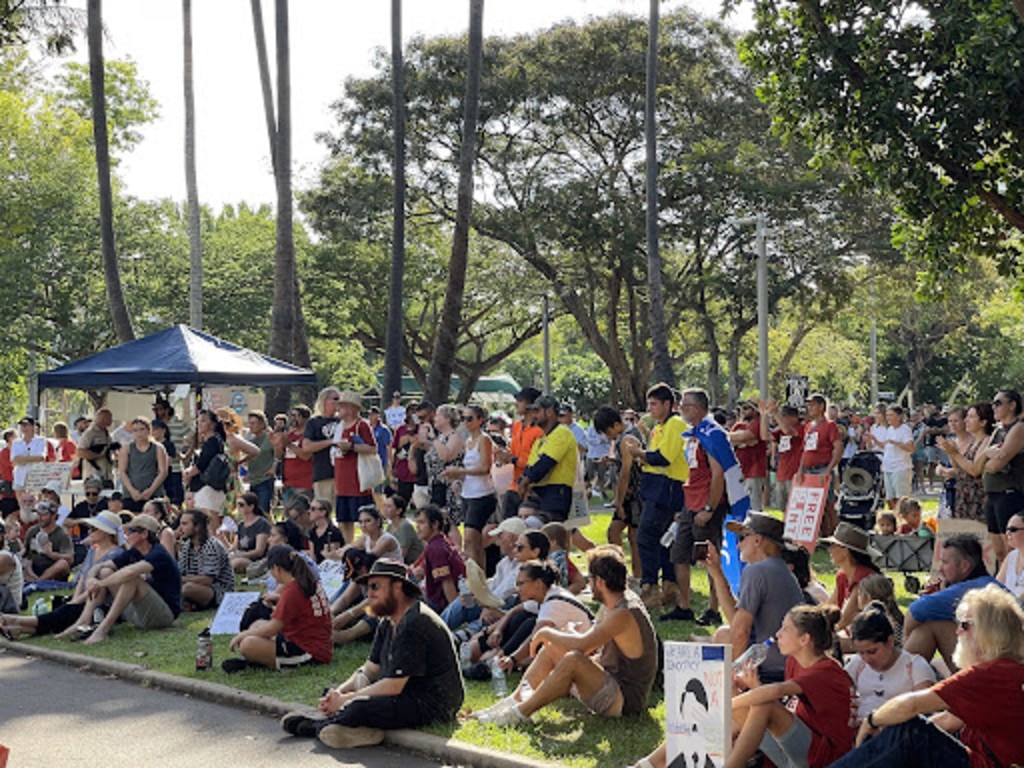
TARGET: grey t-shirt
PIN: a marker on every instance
(768, 590)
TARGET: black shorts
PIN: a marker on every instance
(289, 654)
(630, 514)
(1000, 507)
(477, 512)
(688, 534)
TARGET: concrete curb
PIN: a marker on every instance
(437, 747)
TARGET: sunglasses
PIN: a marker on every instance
(92, 495)
(1013, 529)
(520, 547)
(997, 403)
(134, 530)
(965, 625)
(376, 586)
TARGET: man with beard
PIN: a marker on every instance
(618, 682)
(410, 679)
(981, 704)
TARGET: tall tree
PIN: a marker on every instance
(195, 247)
(112, 276)
(393, 345)
(288, 339)
(442, 361)
(924, 99)
(659, 333)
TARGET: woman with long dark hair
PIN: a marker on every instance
(299, 629)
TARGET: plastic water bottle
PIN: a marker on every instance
(669, 536)
(465, 655)
(755, 653)
(39, 607)
(465, 593)
(498, 682)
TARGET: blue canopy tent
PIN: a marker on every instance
(178, 355)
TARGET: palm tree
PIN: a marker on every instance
(393, 343)
(195, 248)
(443, 358)
(115, 296)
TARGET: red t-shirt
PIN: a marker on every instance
(402, 472)
(6, 467)
(789, 449)
(697, 488)
(753, 458)
(827, 705)
(819, 441)
(441, 561)
(298, 473)
(523, 437)
(307, 620)
(346, 468)
(844, 586)
(989, 698)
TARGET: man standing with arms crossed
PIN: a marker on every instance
(664, 470)
(823, 448)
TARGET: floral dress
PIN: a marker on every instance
(443, 492)
(969, 502)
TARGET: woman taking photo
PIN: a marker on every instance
(299, 628)
(968, 467)
(143, 466)
(479, 499)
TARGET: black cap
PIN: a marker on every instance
(27, 420)
(544, 402)
(529, 394)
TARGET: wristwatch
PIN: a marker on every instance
(871, 720)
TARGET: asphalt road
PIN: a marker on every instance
(52, 716)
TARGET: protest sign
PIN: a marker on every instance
(698, 704)
(803, 512)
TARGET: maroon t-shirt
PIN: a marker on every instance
(753, 458)
(307, 620)
(298, 473)
(789, 450)
(827, 705)
(346, 468)
(819, 440)
(441, 561)
(989, 698)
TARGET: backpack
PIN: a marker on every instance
(217, 472)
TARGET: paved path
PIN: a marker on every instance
(52, 716)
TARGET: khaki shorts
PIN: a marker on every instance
(606, 700)
(149, 611)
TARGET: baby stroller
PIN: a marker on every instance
(860, 489)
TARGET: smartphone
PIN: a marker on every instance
(700, 551)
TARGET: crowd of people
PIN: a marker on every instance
(460, 566)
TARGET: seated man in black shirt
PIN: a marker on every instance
(410, 679)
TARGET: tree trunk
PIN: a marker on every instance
(195, 248)
(396, 303)
(282, 316)
(111, 274)
(443, 357)
(265, 87)
(659, 333)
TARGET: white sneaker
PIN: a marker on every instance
(506, 716)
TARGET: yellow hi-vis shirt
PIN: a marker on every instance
(667, 439)
(559, 444)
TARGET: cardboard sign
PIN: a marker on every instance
(698, 704)
(43, 473)
(229, 614)
(803, 512)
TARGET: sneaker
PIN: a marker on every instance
(233, 665)
(678, 614)
(349, 737)
(710, 618)
(505, 716)
(297, 724)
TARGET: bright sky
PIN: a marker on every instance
(330, 41)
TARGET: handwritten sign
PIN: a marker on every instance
(42, 474)
(698, 704)
(229, 614)
(803, 512)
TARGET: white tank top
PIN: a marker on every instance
(475, 486)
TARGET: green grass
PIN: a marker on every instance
(564, 733)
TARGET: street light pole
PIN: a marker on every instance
(547, 347)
